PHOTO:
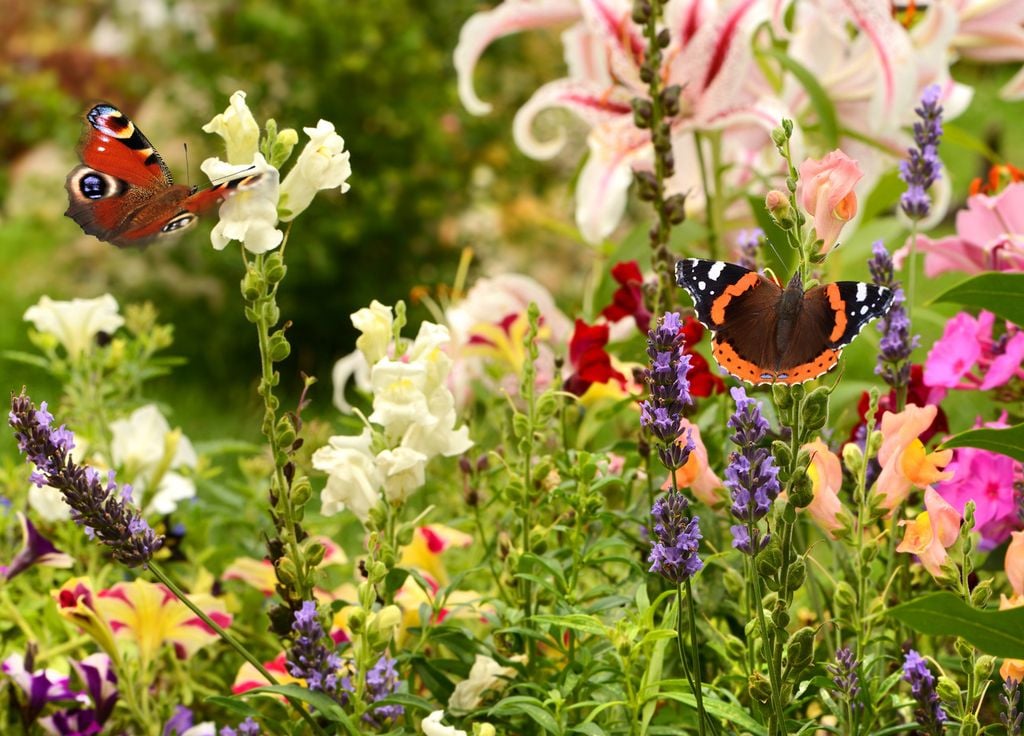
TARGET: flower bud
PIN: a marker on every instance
(285, 570)
(874, 443)
(641, 11)
(274, 268)
(948, 690)
(664, 38)
(735, 648)
(844, 596)
(252, 285)
(356, 621)
(779, 136)
(970, 726)
(281, 148)
(279, 349)
(381, 626)
(797, 574)
(815, 409)
(301, 492)
(484, 729)
(780, 393)
(853, 458)
(963, 648)
(981, 595)
(780, 617)
(643, 112)
(800, 648)
(646, 185)
(675, 208)
(778, 206)
(670, 99)
(983, 666)
(759, 687)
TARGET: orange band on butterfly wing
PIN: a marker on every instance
(838, 306)
(742, 286)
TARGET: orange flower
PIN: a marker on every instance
(826, 474)
(904, 460)
(1014, 563)
(696, 474)
(933, 532)
(148, 616)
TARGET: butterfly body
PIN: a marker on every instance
(123, 192)
(764, 333)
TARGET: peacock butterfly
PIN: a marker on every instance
(123, 192)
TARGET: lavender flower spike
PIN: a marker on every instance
(1011, 717)
(922, 167)
(929, 713)
(104, 510)
(845, 678)
(897, 344)
(382, 681)
(676, 539)
(310, 659)
(751, 476)
(670, 390)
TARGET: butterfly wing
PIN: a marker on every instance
(832, 316)
(741, 307)
(112, 144)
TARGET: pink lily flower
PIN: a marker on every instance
(709, 56)
(989, 236)
(992, 32)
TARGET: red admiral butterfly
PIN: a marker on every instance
(123, 193)
(766, 334)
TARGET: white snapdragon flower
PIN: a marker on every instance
(352, 366)
(75, 323)
(486, 674)
(376, 323)
(141, 444)
(432, 726)
(237, 126)
(404, 471)
(250, 216)
(399, 400)
(323, 164)
(354, 479)
(49, 503)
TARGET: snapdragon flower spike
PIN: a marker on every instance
(845, 679)
(676, 539)
(929, 713)
(922, 167)
(382, 681)
(670, 390)
(104, 510)
(751, 476)
(897, 344)
(312, 661)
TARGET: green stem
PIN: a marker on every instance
(773, 676)
(710, 195)
(160, 575)
(695, 645)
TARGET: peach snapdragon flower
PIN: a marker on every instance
(826, 191)
(933, 532)
(696, 474)
(826, 475)
(905, 461)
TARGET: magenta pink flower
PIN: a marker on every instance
(989, 236)
(988, 479)
(966, 356)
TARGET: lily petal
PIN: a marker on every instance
(605, 178)
(592, 104)
(510, 17)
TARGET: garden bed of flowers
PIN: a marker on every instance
(761, 476)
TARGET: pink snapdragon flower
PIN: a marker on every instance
(826, 191)
(989, 479)
(989, 236)
(905, 461)
(1014, 562)
(826, 474)
(966, 356)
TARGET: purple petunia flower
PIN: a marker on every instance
(670, 390)
(99, 508)
(751, 475)
(922, 167)
(676, 539)
(929, 714)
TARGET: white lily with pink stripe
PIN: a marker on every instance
(709, 56)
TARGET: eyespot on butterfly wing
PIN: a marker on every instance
(123, 192)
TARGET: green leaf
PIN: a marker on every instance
(1009, 441)
(234, 705)
(718, 708)
(589, 728)
(576, 621)
(1000, 292)
(327, 707)
(819, 97)
(530, 707)
(999, 633)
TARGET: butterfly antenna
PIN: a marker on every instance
(233, 175)
(778, 255)
(188, 169)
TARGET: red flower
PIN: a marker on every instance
(589, 359)
(628, 299)
(703, 382)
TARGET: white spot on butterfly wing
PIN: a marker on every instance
(864, 309)
(702, 285)
(862, 291)
(716, 270)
